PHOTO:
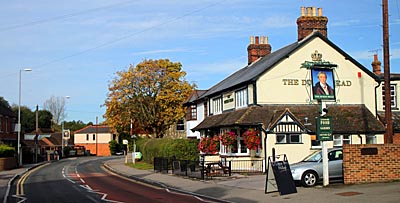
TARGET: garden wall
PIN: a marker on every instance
(8, 163)
(369, 163)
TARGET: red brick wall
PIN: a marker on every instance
(368, 168)
(102, 149)
(396, 138)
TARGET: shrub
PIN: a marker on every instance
(183, 149)
(6, 151)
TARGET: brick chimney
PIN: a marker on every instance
(258, 49)
(310, 21)
(376, 65)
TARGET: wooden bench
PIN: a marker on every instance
(215, 168)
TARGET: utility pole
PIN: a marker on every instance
(388, 104)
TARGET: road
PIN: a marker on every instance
(85, 180)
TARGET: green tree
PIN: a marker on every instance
(150, 95)
(27, 118)
(44, 119)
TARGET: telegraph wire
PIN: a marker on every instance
(129, 35)
(61, 17)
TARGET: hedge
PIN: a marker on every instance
(181, 149)
(6, 151)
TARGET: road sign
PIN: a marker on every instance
(66, 134)
(324, 128)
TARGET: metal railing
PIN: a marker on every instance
(206, 170)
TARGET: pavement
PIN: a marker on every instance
(240, 188)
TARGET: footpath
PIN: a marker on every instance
(242, 189)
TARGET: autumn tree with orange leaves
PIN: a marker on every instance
(151, 95)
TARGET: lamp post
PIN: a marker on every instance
(62, 134)
(19, 118)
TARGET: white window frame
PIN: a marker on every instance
(393, 96)
(338, 140)
(287, 138)
(241, 98)
(216, 105)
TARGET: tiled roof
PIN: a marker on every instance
(254, 70)
(94, 129)
(395, 119)
(346, 119)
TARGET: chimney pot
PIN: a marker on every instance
(266, 39)
(251, 39)
(314, 11)
(303, 11)
(308, 11)
(319, 11)
(257, 40)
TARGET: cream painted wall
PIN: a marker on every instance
(250, 94)
(287, 81)
(102, 138)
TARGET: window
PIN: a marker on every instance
(339, 140)
(288, 138)
(393, 96)
(1, 124)
(239, 147)
(216, 105)
(193, 112)
(180, 125)
(94, 136)
(87, 136)
(371, 139)
(241, 98)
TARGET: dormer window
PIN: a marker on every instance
(216, 105)
(241, 98)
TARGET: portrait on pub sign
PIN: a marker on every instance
(323, 83)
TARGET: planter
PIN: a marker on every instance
(252, 153)
(7, 163)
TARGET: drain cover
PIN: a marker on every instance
(349, 193)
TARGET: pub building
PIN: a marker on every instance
(275, 96)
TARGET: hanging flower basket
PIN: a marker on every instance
(251, 139)
(228, 138)
(209, 145)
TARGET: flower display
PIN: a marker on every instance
(209, 145)
(251, 139)
(228, 138)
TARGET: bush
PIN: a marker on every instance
(6, 151)
(181, 149)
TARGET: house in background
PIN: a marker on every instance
(8, 119)
(48, 146)
(194, 113)
(274, 95)
(95, 138)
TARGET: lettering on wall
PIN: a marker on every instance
(338, 83)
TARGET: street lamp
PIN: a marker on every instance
(62, 133)
(19, 117)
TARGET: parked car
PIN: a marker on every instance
(309, 171)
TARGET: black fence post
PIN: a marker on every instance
(230, 168)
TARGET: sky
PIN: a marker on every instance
(75, 47)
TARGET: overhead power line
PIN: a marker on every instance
(61, 17)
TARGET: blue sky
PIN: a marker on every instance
(75, 47)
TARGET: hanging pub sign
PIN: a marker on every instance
(323, 83)
(324, 128)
